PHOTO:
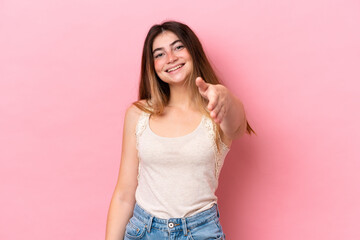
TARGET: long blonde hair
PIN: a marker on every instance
(156, 92)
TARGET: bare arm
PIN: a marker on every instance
(123, 199)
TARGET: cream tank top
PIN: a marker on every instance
(177, 177)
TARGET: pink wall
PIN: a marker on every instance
(68, 70)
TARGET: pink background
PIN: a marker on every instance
(69, 69)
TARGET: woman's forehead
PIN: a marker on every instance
(164, 39)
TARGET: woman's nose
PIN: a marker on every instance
(171, 57)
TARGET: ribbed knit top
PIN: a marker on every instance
(177, 176)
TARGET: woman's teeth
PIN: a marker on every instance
(174, 68)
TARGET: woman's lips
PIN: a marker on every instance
(173, 69)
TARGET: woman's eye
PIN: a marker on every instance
(158, 55)
(179, 47)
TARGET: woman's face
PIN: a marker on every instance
(172, 61)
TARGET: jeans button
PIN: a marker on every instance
(171, 225)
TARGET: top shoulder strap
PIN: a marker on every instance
(142, 123)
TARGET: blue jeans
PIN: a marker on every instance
(201, 226)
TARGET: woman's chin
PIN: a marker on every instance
(176, 80)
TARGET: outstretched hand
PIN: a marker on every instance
(218, 97)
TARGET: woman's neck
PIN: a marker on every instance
(180, 97)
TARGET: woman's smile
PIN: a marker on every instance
(175, 69)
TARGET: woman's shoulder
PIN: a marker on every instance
(134, 111)
(137, 115)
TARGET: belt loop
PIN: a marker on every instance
(184, 226)
(149, 223)
(217, 211)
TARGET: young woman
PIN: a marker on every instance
(175, 139)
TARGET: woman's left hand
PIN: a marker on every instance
(218, 96)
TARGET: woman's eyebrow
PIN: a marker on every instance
(171, 44)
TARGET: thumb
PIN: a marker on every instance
(201, 84)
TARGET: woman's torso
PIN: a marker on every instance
(178, 175)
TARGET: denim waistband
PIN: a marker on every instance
(176, 224)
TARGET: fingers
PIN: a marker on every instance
(213, 101)
(220, 115)
(215, 95)
(201, 84)
(218, 112)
